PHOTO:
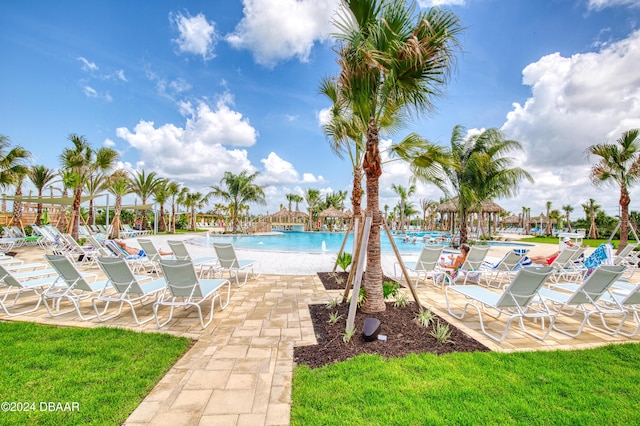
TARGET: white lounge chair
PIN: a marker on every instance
(185, 289)
(627, 297)
(583, 298)
(12, 286)
(153, 254)
(229, 262)
(504, 270)
(71, 286)
(129, 289)
(426, 264)
(207, 266)
(516, 301)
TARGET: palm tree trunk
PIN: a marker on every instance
(625, 200)
(162, 224)
(372, 167)
(356, 192)
(75, 213)
(463, 226)
(115, 224)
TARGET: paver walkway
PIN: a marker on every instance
(240, 368)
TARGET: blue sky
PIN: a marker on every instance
(194, 89)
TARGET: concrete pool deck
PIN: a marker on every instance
(240, 368)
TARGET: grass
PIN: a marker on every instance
(595, 386)
(554, 240)
(105, 371)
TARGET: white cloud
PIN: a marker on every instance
(120, 75)
(436, 3)
(324, 116)
(299, 24)
(197, 35)
(109, 143)
(196, 153)
(90, 92)
(602, 4)
(87, 65)
(277, 170)
(576, 102)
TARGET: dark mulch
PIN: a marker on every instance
(338, 280)
(404, 335)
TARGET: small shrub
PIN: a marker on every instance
(333, 303)
(425, 317)
(348, 334)
(334, 317)
(344, 260)
(402, 300)
(442, 333)
(390, 288)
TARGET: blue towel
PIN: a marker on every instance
(599, 256)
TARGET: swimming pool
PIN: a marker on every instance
(316, 242)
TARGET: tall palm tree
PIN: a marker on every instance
(548, 219)
(297, 199)
(95, 185)
(162, 195)
(346, 133)
(567, 210)
(290, 200)
(13, 170)
(41, 176)
(193, 201)
(119, 184)
(144, 186)
(238, 189)
(404, 194)
(18, 208)
(173, 188)
(590, 210)
(394, 60)
(82, 161)
(312, 197)
(619, 165)
(480, 170)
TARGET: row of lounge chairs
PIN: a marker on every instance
(569, 286)
(178, 282)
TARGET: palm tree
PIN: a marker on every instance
(590, 210)
(162, 196)
(82, 162)
(297, 199)
(567, 209)
(548, 219)
(20, 173)
(480, 170)
(173, 188)
(238, 189)
(96, 184)
(394, 60)
(193, 201)
(346, 133)
(290, 200)
(618, 165)
(312, 197)
(144, 186)
(13, 171)
(119, 184)
(41, 176)
(404, 194)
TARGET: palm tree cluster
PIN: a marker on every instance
(86, 171)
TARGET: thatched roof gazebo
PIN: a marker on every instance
(487, 207)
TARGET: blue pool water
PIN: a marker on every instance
(317, 242)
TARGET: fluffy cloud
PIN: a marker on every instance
(299, 24)
(197, 35)
(601, 4)
(195, 154)
(576, 102)
(87, 65)
(435, 3)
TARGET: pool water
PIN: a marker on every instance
(320, 242)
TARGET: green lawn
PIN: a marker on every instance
(554, 240)
(99, 375)
(597, 386)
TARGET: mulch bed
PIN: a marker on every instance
(404, 334)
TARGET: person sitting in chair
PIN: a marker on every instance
(548, 260)
(139, 252)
